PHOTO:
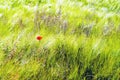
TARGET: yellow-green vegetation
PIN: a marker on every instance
(81, 40)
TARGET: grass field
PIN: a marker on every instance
(80, 40)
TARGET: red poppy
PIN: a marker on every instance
(39, 38)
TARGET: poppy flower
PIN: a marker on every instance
(39, 38)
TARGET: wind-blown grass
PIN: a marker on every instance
(80, 42)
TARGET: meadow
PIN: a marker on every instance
(80, 40)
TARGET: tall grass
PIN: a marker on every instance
(80, 40)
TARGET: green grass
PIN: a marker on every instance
(80, 42)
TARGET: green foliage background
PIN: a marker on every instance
(81, 40)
